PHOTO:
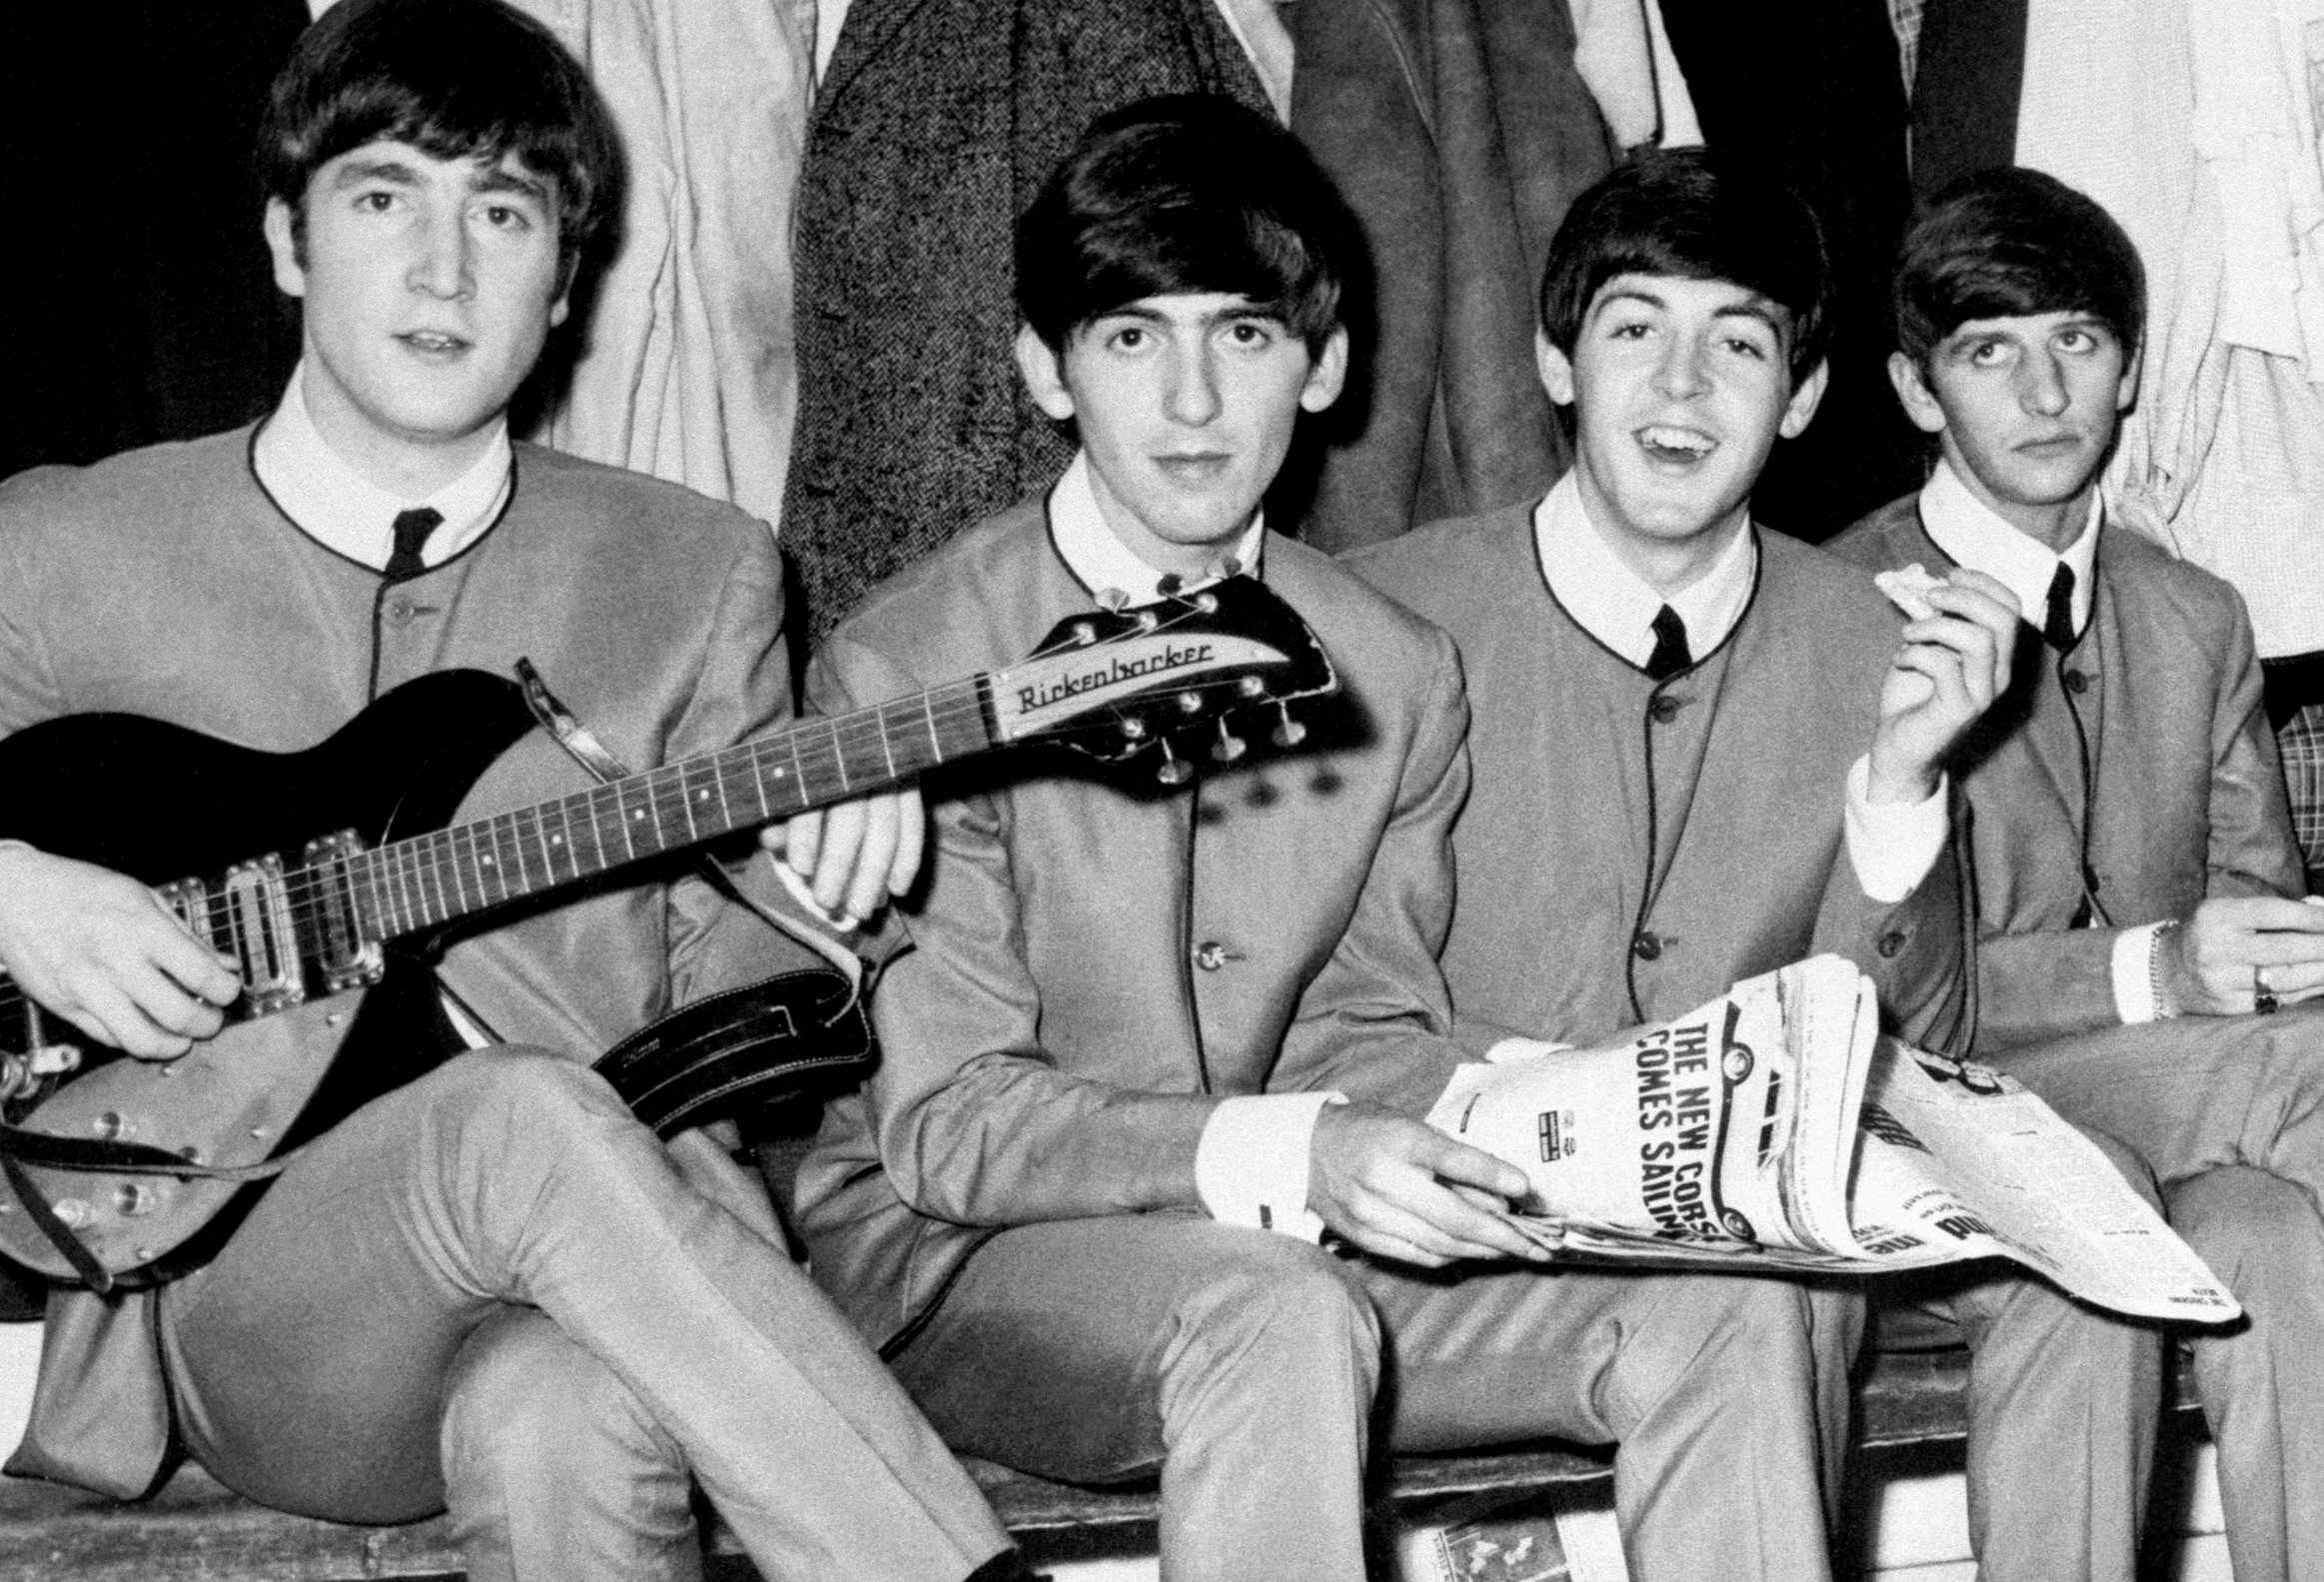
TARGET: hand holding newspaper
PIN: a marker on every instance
(1775, 1129)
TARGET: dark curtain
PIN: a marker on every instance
(1812, 90)
(141, 302)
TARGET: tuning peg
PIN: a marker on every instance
(1288, 732)
(1084, 634)
(1133, 729)
(1207, 603)
(1228, 747)
(1174, 771)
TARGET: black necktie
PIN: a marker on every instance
(1669, 656)
(2057, 621)
(412, 529)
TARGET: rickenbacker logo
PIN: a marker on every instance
(1114, 671)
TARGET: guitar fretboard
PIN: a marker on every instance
(430, 879)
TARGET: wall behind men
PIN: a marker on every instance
(140, 306)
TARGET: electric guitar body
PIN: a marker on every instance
(332, 876)
(267, 1082)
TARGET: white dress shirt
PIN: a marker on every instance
(1102, 563)
(339, 508)
(1891, 845)
(1251, 1166)
(1969, 530)
(1973, 534)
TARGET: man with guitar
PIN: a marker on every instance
(1152, 1038)
(492, 1288)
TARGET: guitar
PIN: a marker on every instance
(333, 876)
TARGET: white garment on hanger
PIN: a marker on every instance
(1623, 54)
(691, 371)
(2194, 123)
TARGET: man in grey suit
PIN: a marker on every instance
(493, 1289)
(1703, 750)
(1149, 1043)
(2139, 909)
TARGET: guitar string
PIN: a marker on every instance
(304, 889)
(407, 862)
(655, 801)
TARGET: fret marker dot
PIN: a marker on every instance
(637, 813)
(556, 839)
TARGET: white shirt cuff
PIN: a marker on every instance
(2134, 973)
(1250, 1169)
(1522, 1049)
(804, 893)
(1891, 845)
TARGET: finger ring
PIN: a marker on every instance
(2261, 1000)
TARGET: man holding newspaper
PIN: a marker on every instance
(1672, 792)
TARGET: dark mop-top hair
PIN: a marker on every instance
(456, 79)
(1694, 214)
(1184, 193)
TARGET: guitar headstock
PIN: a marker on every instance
(1114, 684)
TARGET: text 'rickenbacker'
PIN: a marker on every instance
(332, 870)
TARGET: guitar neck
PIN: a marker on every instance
(424, 882)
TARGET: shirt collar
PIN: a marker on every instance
(1106, 566)
(1973, 534)
(1617, 606)
(341, 509)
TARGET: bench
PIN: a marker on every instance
(195, 1531)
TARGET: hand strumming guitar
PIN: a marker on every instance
(99, 949)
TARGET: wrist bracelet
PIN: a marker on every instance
(2164, 1006)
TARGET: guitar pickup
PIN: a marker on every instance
(262, 934)
(344, 955)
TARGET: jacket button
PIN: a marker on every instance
(1209, 956)
(1663, 708)
(2077, 682)
(1647, 945)
(1890, 942)
(399, 612)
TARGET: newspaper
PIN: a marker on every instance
(1776, 1129)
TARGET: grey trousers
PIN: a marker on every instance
(1249, 1370)
(2063, 1399)
(495, 1290)
(2229, 1113)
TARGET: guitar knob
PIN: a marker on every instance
(70, 1212)
(1174, 771)
(1228, 747)
(1288, 732)
(134, 1197)
(111, 1124)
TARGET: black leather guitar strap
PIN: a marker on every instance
(20, 1146)
(736, 1050)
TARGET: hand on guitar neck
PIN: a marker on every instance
(857, 854)
(99, 949)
